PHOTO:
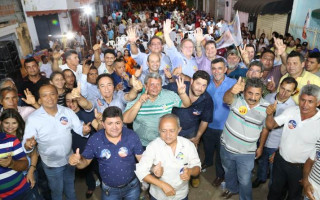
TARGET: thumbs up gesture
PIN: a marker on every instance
(272, 108)
(30, 143)
(185, 176)
(238, 87)
(74, 159)
(136, 84)
(158, 170)
(86, 128)
(76, 92)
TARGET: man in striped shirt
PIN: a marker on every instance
(13, 185)
(243, 128)
(146, 110)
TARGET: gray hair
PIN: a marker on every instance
(311, 90)
(152, 75)
(172, 116)
(254, 82)
(3, 81)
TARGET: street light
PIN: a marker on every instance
(88, 10)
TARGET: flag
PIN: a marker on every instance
(235, 30)
(225, 40)
(306, 25)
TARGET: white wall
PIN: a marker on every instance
(31, 27)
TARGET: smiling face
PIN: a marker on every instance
(106, 87)
(153, 62)
(294, 66)
(155, 45)
(211, 51)
(218, 71)
(252, 95)
(58, 81)
(187, 48)
(113, 126)
(10, 126)
(154, 87)
(48, 97)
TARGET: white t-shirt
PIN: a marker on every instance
(298, 137)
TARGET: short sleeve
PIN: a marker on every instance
(131, 103)
(207, 114)
(138, 149)
(283, 117)
(193, 156)
(89, 151)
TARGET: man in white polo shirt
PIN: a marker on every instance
(300, 134)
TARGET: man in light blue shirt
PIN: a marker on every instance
(50, 126)
(211, 138)
(182, 63)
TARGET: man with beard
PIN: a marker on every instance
(194, 119)
(218, 85)
(236, 68)
(243, 128)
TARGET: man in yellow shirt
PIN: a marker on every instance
(295, 68)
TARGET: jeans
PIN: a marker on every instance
(42, 181)
(211, 144)
(61, 181)
(286, 178)
(238, 169)
(152, 198)
(129, 192)
(264, 164)
(30, 194)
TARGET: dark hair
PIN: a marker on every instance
(129, 54)
(296, 54)
(315, 55)
(29, 60)
(110, 51)
(267, 51)
(154, 37)
(102, 76)
(217, 60)
(250, 45)
(111, 112)
(276, 34)
(50, 50)
(256, 63)
(67, 54)
(75, 78)
(298, 39)
(93, 68)
(254, 82)
(56, 73)
(201, 74)
(43, 57)
(7, 89)
(12, 113)
(298, 45)
(120, 59)
(45, 85)
(290, 80)
(210, 42)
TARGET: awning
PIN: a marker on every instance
(264, 6)
(45, 12)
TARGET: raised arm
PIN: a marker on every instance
(280, 50)
(270, 122)
(166, 32)
(229, 96)
(199, 38)
(132, 38)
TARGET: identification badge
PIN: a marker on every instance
(292, 124)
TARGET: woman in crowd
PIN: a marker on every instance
(130, 62)
(57, 79)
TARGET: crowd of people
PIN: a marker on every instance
(134, 118)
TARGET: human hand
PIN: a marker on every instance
(167, 26)
(167, 189)
(30, 143)
(198, 34)
(132, 35)
(6, 162)
(158, 170)
(136, 84)
(272, 108)
(238, 87)
(279, 46)
(185, 176)
(181, 85)
(30, 99)
(74, 159)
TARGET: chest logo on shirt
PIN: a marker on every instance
(180, 156)
(243, 110)
(182, 170)
(196, 112)
(123, 152)
(105, 153)
(100, 103)
(64, 120)
(164, 107)
(195, 68)
(292, 124)
(318, 155)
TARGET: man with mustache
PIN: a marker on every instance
(236, 68)
(243, 128)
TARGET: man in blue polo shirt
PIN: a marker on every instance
(194, 119)
(211, 138)
(116, 149)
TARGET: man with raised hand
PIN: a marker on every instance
(298, 141)
(243, 128)
(183, 63)
(155, 45)
(116, 149)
